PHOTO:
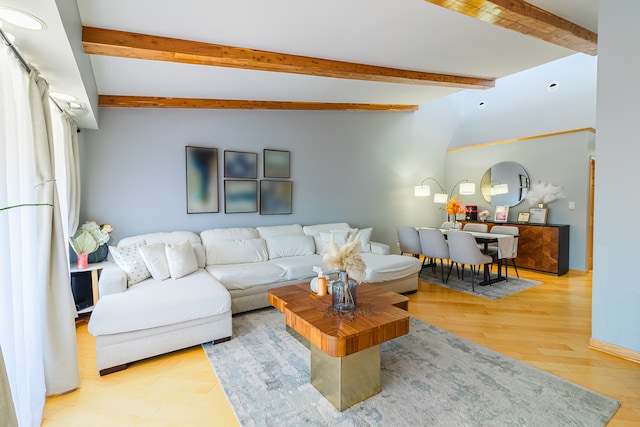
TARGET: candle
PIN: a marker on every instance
(322, 286)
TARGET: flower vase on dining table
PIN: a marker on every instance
(455, 225)
(343, 296)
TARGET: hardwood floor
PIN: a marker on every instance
(547, 326)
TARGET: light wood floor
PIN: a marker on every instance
(547, 326)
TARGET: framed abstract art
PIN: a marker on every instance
(275, 197)
(202, 180)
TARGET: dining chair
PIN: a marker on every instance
(464, 250)
(409, 240)
(434, 247)
(493, 250)
(482, 228)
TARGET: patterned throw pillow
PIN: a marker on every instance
(130, 261)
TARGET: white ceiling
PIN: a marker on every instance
(407, 34)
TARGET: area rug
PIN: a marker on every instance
(494, 291)
(429, 377)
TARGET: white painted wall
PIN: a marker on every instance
(520, 105)
(616, 282)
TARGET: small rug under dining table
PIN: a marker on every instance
(494, 291)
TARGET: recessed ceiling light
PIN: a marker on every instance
(21, 19)
(553, 87)
(63, 96)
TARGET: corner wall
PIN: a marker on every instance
(616, 287)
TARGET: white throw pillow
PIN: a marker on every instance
(155, 259)
(339, 237)
(288, 246)
(365, 239)
(201, 256)
(181, 259)
(130, 261)
(236, 251)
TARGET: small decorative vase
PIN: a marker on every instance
(83, 261)
(343, 295)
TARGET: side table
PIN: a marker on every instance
(95, 270)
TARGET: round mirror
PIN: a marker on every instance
(505, 184)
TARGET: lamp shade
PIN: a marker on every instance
(422, 191)
(467, 188)
(440, 198)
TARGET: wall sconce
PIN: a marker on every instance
(425, 191)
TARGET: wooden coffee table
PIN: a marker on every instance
(345, 355)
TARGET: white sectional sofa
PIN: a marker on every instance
(134, 319)
(164, 294)
(250, 261)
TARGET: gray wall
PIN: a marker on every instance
(616, 286)
(562, 160)
(345, 166)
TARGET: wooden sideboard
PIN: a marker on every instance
(542, 247)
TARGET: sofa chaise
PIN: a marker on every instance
(168, 291)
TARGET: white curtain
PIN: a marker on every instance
(67, 168)
(7, 411)
(37, 326)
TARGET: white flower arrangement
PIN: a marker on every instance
(544, 193)
(346, 257)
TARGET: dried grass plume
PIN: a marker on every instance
(544, 193)
(346, 257)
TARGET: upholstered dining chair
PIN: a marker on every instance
(482, 228)
(446, 225)
(464, 250)
(409, 240)
(493, 250)
(434, 247)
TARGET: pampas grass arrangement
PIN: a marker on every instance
(544, 193)
(346, 257)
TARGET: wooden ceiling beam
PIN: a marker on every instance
(97, 41)
(520, 16)
(164, 102)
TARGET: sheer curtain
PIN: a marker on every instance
(37, 327)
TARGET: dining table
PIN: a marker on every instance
(505, 244)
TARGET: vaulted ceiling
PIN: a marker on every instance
(293, 54)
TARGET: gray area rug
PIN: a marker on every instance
(429, 377)
(494, 291)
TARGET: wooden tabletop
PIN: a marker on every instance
(338, 337)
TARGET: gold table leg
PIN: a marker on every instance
(348, 380)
